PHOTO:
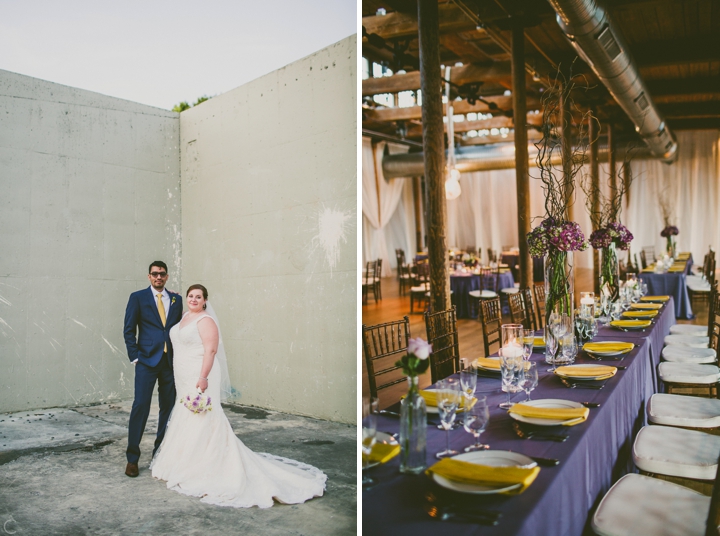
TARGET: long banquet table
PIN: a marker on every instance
(672, 284)
(561, 499)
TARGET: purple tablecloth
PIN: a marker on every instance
(562, 498)
(461, 285)
(671, 284)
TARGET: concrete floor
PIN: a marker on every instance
(62, 473)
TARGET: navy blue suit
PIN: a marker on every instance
(145, 339)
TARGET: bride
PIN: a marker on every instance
(200, 455)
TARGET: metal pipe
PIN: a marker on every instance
(597, 40)
(484, 158)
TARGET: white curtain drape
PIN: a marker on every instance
(380, 200)
(485, 215)
(691, 183)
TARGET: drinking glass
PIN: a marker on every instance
(511, 370)
(569, 348)
(511, 335)
(475, 420)
(606, 307)
(448, 400)
(468, 382)
(369, 431)
(558, 325)
(617, 310)
(528, 341)
(530, 379)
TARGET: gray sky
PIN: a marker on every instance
(161, 52)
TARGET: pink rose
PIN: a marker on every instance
(419, 348)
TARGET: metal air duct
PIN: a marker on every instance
(596, 39)
(484, 158)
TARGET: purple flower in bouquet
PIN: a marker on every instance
(538, 243)
(567, 236)
(620, 235)
(669, 231)
(600, 238)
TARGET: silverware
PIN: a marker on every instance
(542, 436)
(545, 462)
(388, 413)
(575, 385)
(449, 513)
(590, 404)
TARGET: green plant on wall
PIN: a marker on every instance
(184, 105)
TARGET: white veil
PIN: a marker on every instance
(221, 358)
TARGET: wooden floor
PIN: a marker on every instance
(395, 307)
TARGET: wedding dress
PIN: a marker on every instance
(201, 456)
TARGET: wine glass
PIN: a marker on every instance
(617, 310)
(448, 400)
(468, 382)
(369, 432)
(530, 379)
(511, 369)
(528, 341)
(606, 307)
(475, 420)
(558, 324)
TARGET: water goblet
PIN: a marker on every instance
(369, 431)
(468, 382)
(448, 400)
(606, 307)
(530, 379)
(528, 341)
(569, 348)
(511, 369)
(475, 420)
(617, 310)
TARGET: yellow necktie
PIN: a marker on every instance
(161, 310)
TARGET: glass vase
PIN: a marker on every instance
(671, 247)
(413, 430)
(609, 272)
(559, 277)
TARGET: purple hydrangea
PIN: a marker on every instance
(669, 231)
(567, 236)
(600, 239)
(537, 240)
(620, 235)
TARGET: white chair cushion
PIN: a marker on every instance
(677, 452)
(418, 289)
(688, 340)
(681, 410)
(699, 287)
(688, 373)
(689, 329)
(638, 504)
(405, 276)
(510, 290)
(695, 278)
(685, 354)
(483, 294)
(371, 281)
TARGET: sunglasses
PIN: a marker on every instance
(158, 274)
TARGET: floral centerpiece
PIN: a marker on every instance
(609, 234)
(669, 232)
(556, 238)
(413, 412)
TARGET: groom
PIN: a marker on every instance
(149, 315)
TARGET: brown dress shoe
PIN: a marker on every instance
(132, 469)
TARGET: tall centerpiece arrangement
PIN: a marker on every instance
(670, 231)
(413, 411)
(609, 235)
(556, 238)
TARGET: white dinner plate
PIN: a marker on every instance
(546, 403)
(382, 437)
(476, 364)
(588, 378)
(611, 353)
(493, 458)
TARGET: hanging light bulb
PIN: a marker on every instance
(452, 184)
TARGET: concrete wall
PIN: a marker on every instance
(269, 192)
(89, 195)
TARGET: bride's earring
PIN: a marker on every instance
(204, 306)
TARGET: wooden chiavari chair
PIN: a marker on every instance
(441, 328)
(383, 345)
(539, 289)
(368, 282)
(529, 308)
(421, 291)
(518, 313)
(491, 320)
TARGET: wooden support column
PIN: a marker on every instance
(595, 188)
(522, 179)
(434, 152)
(566, 122)
(418, 218)
(611, 161)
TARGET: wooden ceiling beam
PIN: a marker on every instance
(460, 107)
(690, 110)
(473, 72)
(397, 25)
(676, 51)
(683, 86)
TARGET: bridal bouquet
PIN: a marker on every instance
(198, 403)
